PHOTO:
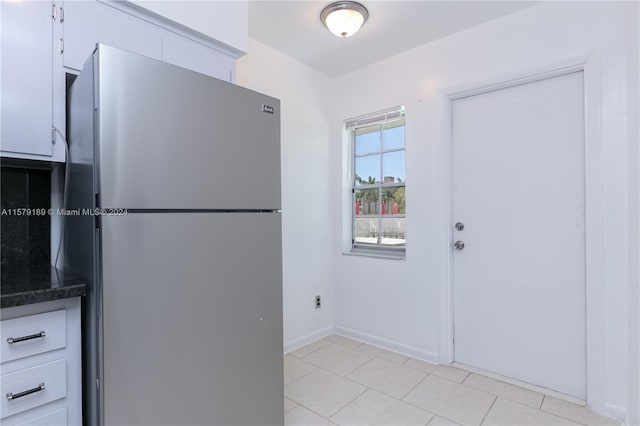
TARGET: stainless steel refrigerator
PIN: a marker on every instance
(176, 178)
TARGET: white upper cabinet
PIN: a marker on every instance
(89, 22)
(186, 53)
(222, 23)
(42, 41)
(26, 49)
(139, 30)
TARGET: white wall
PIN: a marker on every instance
(306, 186)
(395, 303)
(633, 75)
(224, 21)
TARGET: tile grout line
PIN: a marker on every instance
(359, 347)
(489, 410)
(340, 409)
(441, 416)
(357, 368)
(401, 399)
(433, 416)
(564, 418)
(354, 347)
(558, 415)
(521, 384)
(304, 375)
(537, 408)
(452, 381)
(385, 350)
(446, 418)
(307, 408)
(314, 351)
(366, 388)
(404, 364)
(411, 390)
(551, 414)
(295, 404)
(506, 397)
(458, 383)
(333, 372)
(360, 366)
(392, 396)
(301, 404)
(415, 406)
(465, 379)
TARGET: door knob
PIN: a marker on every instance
(459, 245)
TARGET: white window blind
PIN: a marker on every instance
(384, 116)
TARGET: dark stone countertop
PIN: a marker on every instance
(37, 284)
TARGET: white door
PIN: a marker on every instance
(519, 191)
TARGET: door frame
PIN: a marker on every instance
(590, 64)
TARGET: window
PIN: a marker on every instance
(378, 188)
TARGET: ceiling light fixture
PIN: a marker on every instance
(344, 18)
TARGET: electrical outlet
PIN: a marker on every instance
(318, 302)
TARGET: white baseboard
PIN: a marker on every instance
(613, 411)
(298, 342)
(390, 345)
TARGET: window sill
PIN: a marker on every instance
(377, 255)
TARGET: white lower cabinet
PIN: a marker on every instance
(32, 387)
(58, 417)
(40, 364)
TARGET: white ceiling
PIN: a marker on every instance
(294, 28)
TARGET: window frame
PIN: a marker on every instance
(380, 118)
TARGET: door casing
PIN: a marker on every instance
(589, 64)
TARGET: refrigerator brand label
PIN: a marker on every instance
(268, 109)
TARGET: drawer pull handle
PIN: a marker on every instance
(12, 396)
(12, 340)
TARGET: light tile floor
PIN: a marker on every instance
(341, 381)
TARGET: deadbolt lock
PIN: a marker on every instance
(459, 226)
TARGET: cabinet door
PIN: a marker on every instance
(186, 53)
(26, 48)
(89, 22)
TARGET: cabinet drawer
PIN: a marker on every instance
(23, 337)
(32, 387)
(55, 418)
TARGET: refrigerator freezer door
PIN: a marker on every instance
(192, 319)
(171, 138)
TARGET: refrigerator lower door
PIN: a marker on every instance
(192, 319)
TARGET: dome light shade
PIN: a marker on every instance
(344, 18)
